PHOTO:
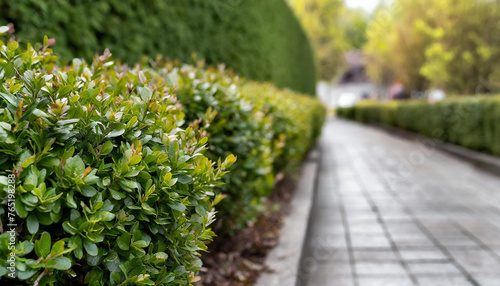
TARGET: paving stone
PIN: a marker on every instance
(369, 241)
(412, 241)
(477, 261)
(496, 250)
(361, 216)
(384, 281)
(433, 268)
(410, 255)
(369, 227)
(329, 241)
(402, 227)
(362, 220)
(443, 281)
(338, 269)
(375, 268)
(460, 241)
(487, 280)
(326, 280)
(362, 184)
(376, 255)
(396, 217)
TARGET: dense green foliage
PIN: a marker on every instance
(234, 126)
(112, 170)
(266, 128)
(108, 183)
(296, 121)
(471, 122)
(260, 39)
(450, 44)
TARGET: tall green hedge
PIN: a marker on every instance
(260, 39)
(113, 174)
(472, 122)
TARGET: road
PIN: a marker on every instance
(390, 211)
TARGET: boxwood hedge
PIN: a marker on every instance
(110, 188)
(113, 167)
(261, 39)
(469, 121)
(267, 129)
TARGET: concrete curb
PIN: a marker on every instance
(483, 161)
(283, 261)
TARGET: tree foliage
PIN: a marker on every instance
(333, 29)
(436, 43)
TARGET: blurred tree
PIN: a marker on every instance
(453, 44)
(395, 48)
(465, 51)
(355, 22)
(320, 19)
(333, 30)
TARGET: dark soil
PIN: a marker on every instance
(238, 260)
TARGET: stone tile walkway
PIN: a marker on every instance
(389, 211)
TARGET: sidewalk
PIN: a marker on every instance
(389, 211)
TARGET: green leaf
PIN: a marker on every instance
(90, 247)
(135, 159)
(59, 263)
(76, 243)
(69, 228)
(132, 121)
(106, 148)
(24, 275)
(74, 168)
(159, 257)
(42, 246)
(117, 195)
(184, 179)
(123, 241)
(145, 93)
(178, 207)
(57, 248)
(141, 243)
(102, 215)
(115, 133)
(11, 99)
(32, 223)
(28, 162)
(91, 178)
(88, 191)
(68, 121)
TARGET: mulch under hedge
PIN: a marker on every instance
(238, 260)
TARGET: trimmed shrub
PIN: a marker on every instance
(296, 121)
(113, 166)
(211, 98)
(472, 122)
(110, 187)
(268, 129)
(260, 39)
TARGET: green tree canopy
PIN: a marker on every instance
(333, 29)
(452, 44)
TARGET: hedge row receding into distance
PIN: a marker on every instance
(261, 39)
(115, 172)
(472, 122)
